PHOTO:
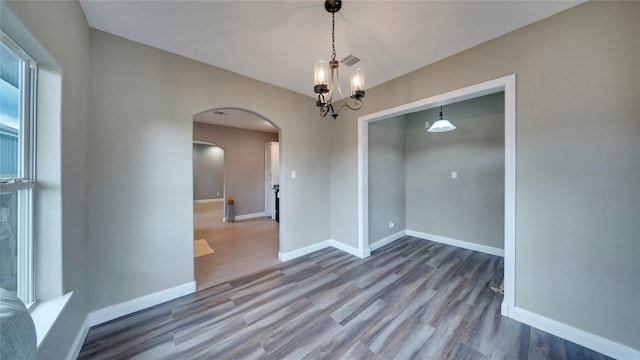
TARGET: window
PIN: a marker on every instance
(17, 169)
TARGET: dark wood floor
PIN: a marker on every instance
(413, 299)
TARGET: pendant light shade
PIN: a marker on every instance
(441, 125)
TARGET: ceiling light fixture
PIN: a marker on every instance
(325, 87)
(441, 125)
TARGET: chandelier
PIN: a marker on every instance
(326, 78)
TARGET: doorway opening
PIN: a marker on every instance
(505, 84)
(236, 233)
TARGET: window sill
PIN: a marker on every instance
(45, 313)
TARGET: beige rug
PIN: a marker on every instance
(201, 248)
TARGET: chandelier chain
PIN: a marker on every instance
(333, 35)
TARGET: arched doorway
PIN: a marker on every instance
(247, 239)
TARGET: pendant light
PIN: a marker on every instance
(326, 78)
(441, 125)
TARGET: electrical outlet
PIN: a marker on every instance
(392, 224)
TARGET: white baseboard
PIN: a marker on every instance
(248, 216)
(318, 246)
(289, 255)
(346, 248)
(76, 346)
(131, 306)
(458, 243)
(580, 337)
(204, 201)
(388, 240)
(251, 216)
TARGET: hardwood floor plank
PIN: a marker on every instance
(342, 342)
(357, 352)
(403, 335)
(412, 299)
(241, 248)
(359, 303)
(464, 352)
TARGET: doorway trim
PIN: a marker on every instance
(281, 224)
(506, 84)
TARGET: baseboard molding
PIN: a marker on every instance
(251, 216)
(124, 308)
(290, 255)
(580, 337)
(346, 248)
(247, 216)
(458, 243)
(204, 201)
(76, 346)
(388, 240)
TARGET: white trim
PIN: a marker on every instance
(76, 346)
(506, 84)
(597, 343)
(363, 185)
(388, 240)
(46, 313)
(247, 216)
(344, 247)
(289, 255)
(124, 308)
(509, 300)
(204, 201)
(458, 243)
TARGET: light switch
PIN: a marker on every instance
(454, 174)
(293, 174)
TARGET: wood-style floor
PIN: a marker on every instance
(413, 299)
(241, 248)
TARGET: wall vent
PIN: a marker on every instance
(350, 60)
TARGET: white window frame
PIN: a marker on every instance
(24, 182)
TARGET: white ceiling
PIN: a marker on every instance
(278, 41)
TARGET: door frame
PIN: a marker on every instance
(506, 84)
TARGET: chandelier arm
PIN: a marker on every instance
(324, 110)
(344, 101)
(325, 93)
(357, 105)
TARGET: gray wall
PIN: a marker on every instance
(577, 193)
(208, 172)
(244, 163)
(471, 207)
(386, 177)
(141, 219)
(61, 28)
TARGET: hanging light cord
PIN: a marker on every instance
(333, 35)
